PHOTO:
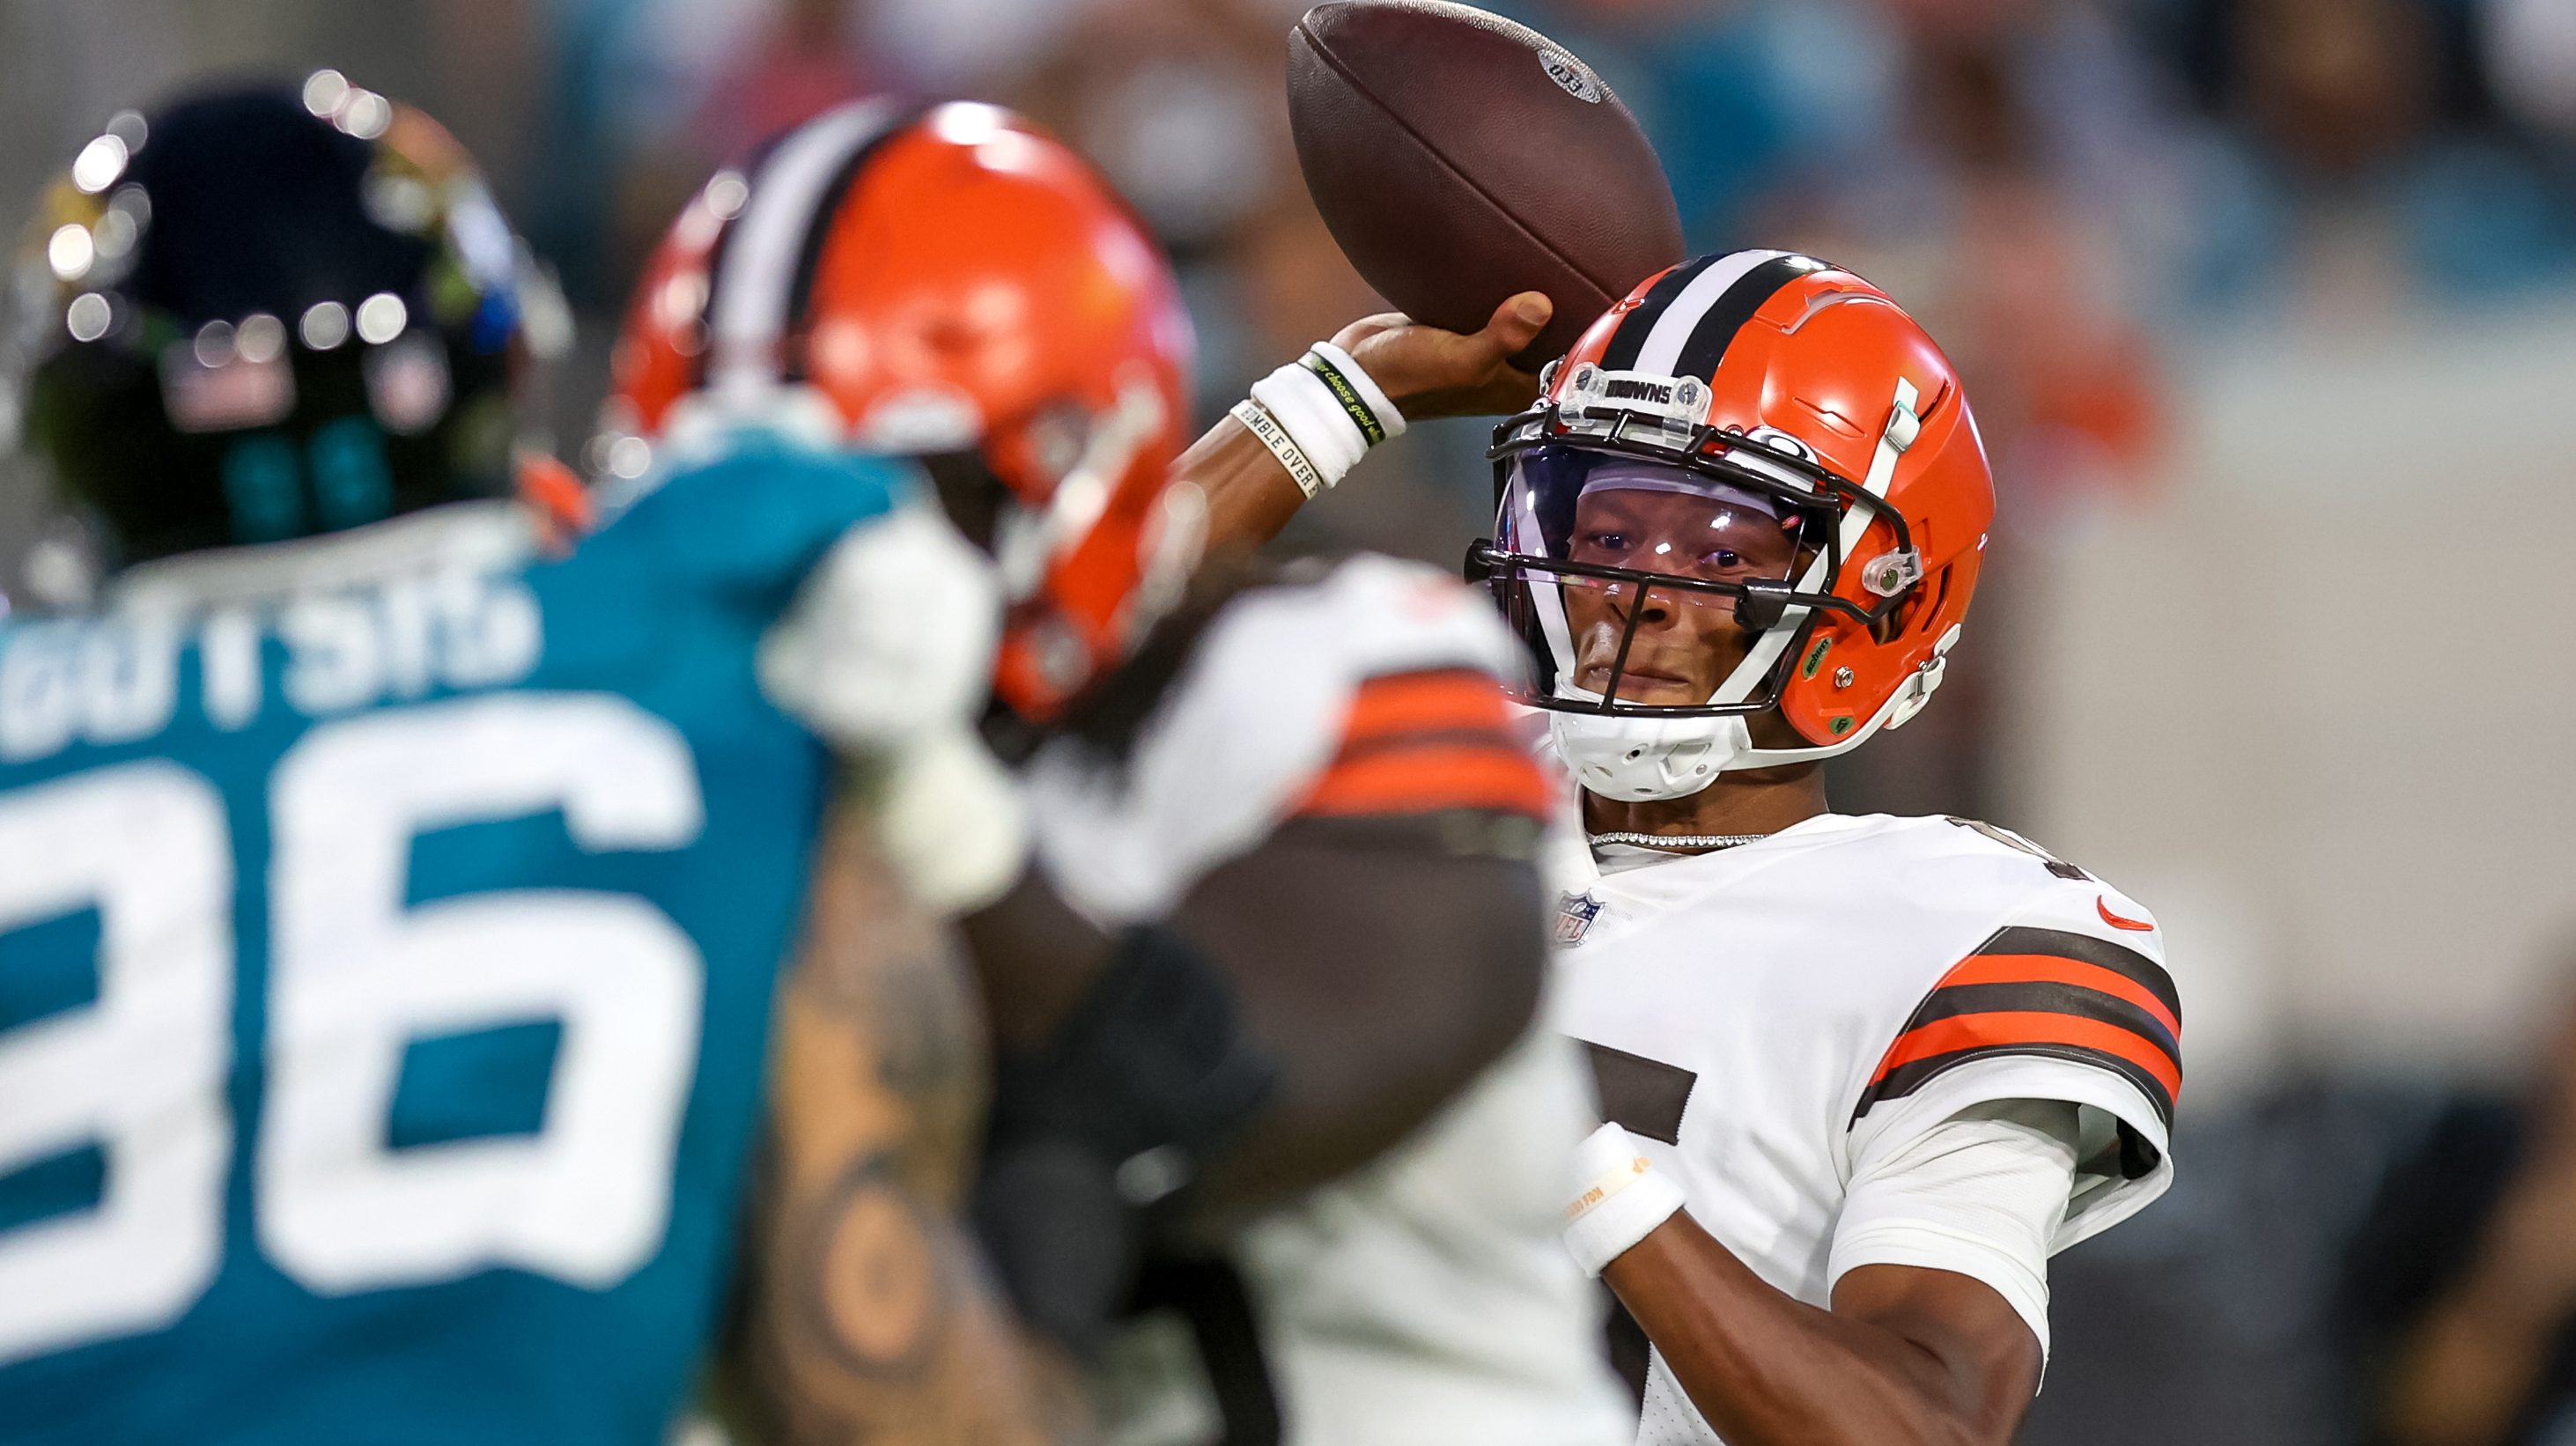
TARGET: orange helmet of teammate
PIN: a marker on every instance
(1754, 486)
(947, 283)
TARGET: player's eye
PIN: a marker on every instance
(1604, 541)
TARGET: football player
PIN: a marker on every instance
(1864, 1075)
(1300, 784)
(390, 909)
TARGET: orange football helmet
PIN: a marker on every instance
(1754, 485)
(947, 283)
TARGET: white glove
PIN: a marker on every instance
(888, 654)
(892, 638)
(1619, 1199)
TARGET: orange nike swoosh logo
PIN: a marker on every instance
(2103, 906)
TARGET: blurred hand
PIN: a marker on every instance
(1428, 372)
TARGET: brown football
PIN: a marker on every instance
(1460, 158)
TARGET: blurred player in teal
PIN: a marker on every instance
(391, 906)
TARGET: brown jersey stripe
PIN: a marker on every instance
(2006, 1033)
(1640, 1095)
(2054, 969)
(2090, 949)
(1915, 1074)
(2045, 997)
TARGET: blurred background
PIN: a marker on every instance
(2269, 311)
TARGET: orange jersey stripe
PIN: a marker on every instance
(2050, 969)
(1425, 780)
(1425, 703)
(1985, 1031)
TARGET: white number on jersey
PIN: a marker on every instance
(353, 979)
(141, 1072)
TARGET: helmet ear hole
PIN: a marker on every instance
(1923, 602)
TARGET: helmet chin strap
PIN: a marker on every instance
(1639, 760)
(1642, 759)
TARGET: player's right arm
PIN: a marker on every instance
(1906, 1357)
(1427, 372)
(1971, 1163)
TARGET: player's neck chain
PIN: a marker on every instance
(1677, 840)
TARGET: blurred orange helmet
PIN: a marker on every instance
(1759, 440)
(947, 283)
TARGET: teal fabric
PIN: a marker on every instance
(663, 608)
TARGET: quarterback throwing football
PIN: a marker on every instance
(1864, 1075)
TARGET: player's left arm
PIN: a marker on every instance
(1425, 371)
(868, 1315)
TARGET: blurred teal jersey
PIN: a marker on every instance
(388, 926)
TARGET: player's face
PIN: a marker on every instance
(1686, 641)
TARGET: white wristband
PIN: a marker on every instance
(1337, 370)
(1257, 420)
(1330, 409)
(1620, 1201)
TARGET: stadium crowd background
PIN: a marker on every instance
(2269, 311)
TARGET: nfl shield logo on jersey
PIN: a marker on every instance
(1574, 916)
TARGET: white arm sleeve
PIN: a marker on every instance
(1982, 1194)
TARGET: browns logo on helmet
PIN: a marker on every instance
(1754, 487)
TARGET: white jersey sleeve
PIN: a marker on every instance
(2068, 1000)
(1981, 1194)
(1374, 687)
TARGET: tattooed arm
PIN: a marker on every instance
(869, 1319)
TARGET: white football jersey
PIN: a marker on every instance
(1426, 1299)
(1760, 1015)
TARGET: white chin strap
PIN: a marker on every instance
(1627, 757)
(1630, 757)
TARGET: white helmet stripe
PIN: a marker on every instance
(1663, 348)
(756, 278)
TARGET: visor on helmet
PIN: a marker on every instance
(1663, 585)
